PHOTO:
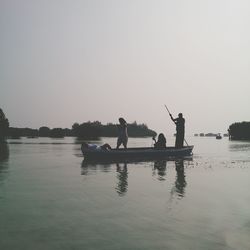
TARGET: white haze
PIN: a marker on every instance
(72, 61)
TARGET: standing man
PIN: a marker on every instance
(180, 130)
(122, 133)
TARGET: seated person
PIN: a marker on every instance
(106, 146)
(88, 146)
(161, 142)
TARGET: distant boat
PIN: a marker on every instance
(218, 136)
(210, 135)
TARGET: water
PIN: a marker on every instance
(50, 199)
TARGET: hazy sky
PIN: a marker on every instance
(72, 61)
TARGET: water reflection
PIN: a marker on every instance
(4, 157)
(121, 169)
(239, 146)
(79, 140)
(4, 152)
(180, 181)
(122, 178)
(90, 168)
(160, 166)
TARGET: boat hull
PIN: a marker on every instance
(137, 153)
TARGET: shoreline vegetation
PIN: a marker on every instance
(92, 130)
(86, 130)
(239, 131)
(210, 134)
(236, 131)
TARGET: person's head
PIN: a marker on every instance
(180, 115)
(122, 120)
(161, 137)
(85, 145)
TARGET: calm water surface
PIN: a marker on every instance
(51, 199)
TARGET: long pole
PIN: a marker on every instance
(170, 115)
(167, 109)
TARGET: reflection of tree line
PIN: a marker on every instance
(4, 152)
(159, 167)
(4, 157)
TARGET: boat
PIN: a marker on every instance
(143, 153)
(218, 136)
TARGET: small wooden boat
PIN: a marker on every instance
(137, 153)
(218, 136)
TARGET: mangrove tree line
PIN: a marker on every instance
(239, 131)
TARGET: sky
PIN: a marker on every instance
(66, 61)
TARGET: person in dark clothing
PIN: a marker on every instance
(122, 133)
(180, 130)
(161, 142)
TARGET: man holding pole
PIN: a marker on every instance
(180, 130)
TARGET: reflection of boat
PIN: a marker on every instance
(137, 153)
(218, 136)
(107, 161)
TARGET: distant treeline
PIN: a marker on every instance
(239, 131)
(85, 130)
(210, 135)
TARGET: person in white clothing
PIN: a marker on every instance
(88, 146)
